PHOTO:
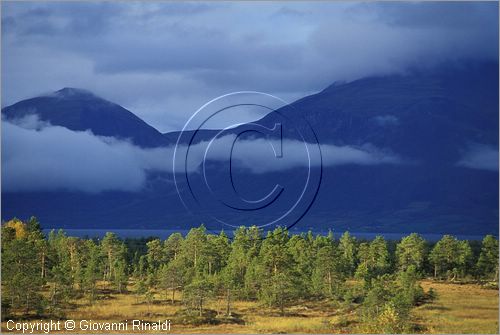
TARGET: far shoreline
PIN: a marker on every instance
(165, 233)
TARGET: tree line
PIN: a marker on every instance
(41, 274)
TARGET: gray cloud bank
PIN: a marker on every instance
(52, 157)
(166, 59)
(480, 156)
(39, 157)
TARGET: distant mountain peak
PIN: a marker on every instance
(73, 93)
(80, 110)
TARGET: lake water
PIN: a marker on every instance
(165, 233)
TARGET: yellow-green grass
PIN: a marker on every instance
(311, 317)
(459, 309)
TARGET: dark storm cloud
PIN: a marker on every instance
(63, 19)
(180, 54)
(438, 14)
(163, 60)
(476, 23)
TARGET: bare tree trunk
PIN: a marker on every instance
(330, 282)
(282, 307)
(195, 256)
(43, 264)
(228, 299)
(110, 264)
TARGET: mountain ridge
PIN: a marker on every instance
(81, 110)
(431, 119)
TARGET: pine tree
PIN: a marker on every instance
(328, 276)
(120, 278)
(465, 258)
(488, 259)
(197, 293)
(451, 257)
(411, 251)
(140, 288)
(243, 251)
(212, 260)
(279, 280)
(171, 277)
(347, 248)
(408, 290)
(21, 280)
(193, 248)
(302, 251)
(379, 256)
(253, 279)
(114, 254)
(110, 245)
(62, 285)
(92, 271)
(172, 246)
(61, 274)
(374, 260)
(156, 254)
(36, 235)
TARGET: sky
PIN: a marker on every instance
(163, 60)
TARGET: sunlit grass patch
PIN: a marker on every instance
(460, 309)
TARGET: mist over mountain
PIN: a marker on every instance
(401, 153)
(80, 110)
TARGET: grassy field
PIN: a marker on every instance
(464, 308)
(460, 309)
